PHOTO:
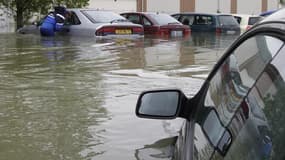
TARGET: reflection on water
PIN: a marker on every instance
(74, 98)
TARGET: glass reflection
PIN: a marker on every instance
(213, 126)
(258, 126)
(159, 103)
(238, 73)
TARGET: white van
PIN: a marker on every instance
(246, 21)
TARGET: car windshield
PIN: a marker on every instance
(103, 16)
(164, 19)
(253, 20)
(227, 20)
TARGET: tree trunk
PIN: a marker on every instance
(19, 15)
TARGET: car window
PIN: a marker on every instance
(203, 20)
(227, 20)
(73, 19)
(238, 19)
(187, 20)
(134, 18)
(253, 20)
(238, 73)
(261, 131)
(102, 16)
(176, 16)
(163, 19)
(146, 22)
(231, 84)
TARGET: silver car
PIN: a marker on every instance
(92, 22)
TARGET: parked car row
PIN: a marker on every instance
(91, 22)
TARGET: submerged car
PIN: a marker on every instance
(246, 21)
(91, 22)
(267, 13)
(158, 24)
(238, 113)
(206, 22)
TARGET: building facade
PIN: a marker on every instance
(172, 6)
(223, 6)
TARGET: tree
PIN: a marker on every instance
(275, 111)
(25, 9)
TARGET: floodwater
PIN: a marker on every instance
(74, 98)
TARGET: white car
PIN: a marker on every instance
(246, 21)
(93, 22)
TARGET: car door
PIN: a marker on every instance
(148, 25)
(134, 18)
(187, 20)
(242, 114)
(142, 20)
(72, 26)
(203, 23)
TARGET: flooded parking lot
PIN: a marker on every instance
(74, 98)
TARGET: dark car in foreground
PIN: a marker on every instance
(91, 22)
(239, 111)
(158, 24)
(206, 22)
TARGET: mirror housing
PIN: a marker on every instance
(161, 104)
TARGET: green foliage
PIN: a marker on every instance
(24, 9)
(275, 111)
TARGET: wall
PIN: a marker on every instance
(213, 5)
(116, 6)
(273, 4)
(249, 6)
(173, 6)
(168, 6)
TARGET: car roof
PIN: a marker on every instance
(200, 13)
(142, 13)
(88, 9)
(276, 16)
(246, 15)
(266, 13)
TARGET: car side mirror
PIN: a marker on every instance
(160, 104)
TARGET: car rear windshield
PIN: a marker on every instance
(164, 19)
(102, 16)
(253, 20)
(227, 20)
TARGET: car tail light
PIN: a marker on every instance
(138, 30)
(187, 31)
(105, 31)
(163, 31)
(218, 30)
